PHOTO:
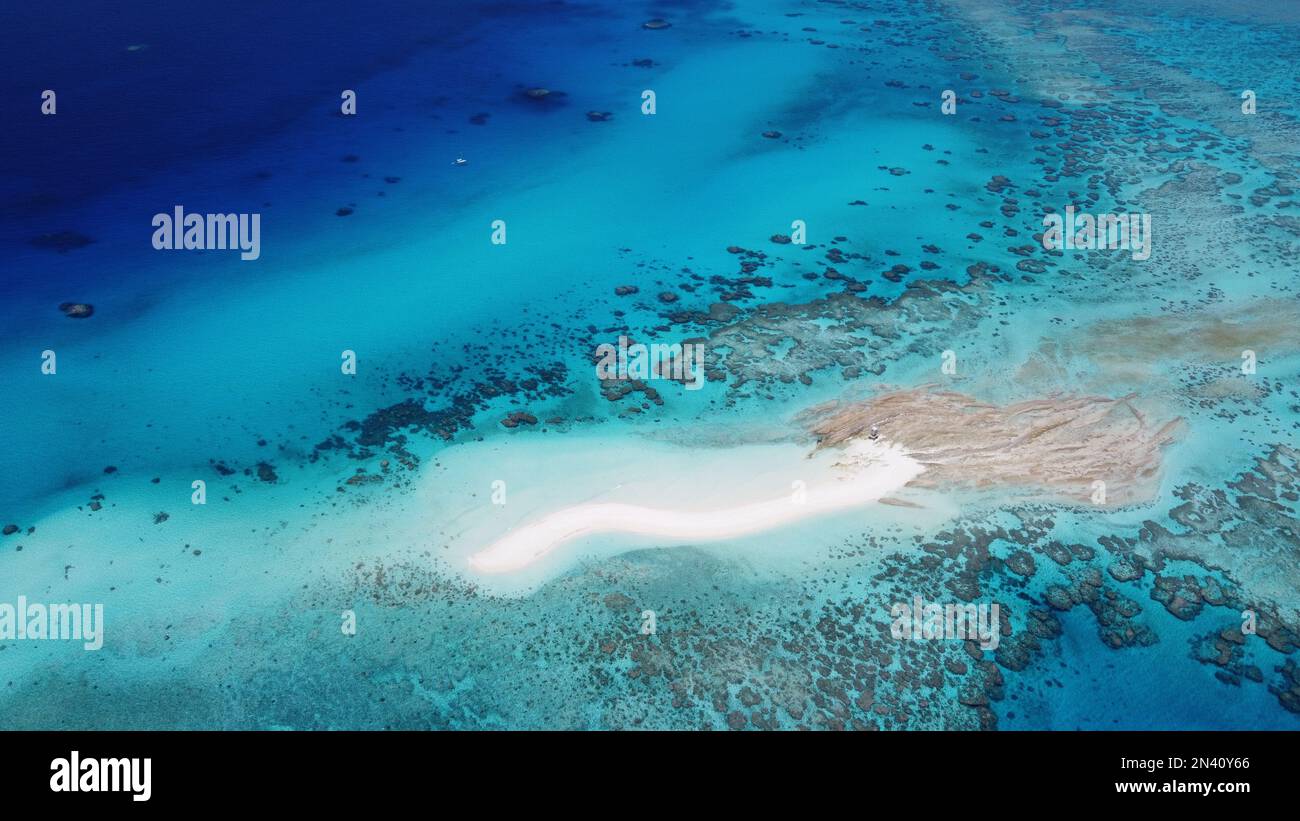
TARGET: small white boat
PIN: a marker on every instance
(461, 161)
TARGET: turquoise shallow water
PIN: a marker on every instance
(330, 493)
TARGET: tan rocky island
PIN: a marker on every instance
(1054, 448)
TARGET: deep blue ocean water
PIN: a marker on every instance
(197, 365)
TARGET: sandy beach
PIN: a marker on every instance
(866, 472)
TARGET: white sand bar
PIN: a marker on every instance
(866, 471)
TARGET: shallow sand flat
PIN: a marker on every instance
(687, 474)
(866, 472)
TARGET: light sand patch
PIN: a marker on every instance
(865, 472)
(1146, 349)
(890, 500)
(1265, 327)
(1054, 448)
(1233, 387)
